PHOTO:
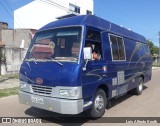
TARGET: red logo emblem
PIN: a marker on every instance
(39, 80)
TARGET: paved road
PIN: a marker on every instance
(145, 105)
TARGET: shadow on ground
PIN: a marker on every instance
(79, 119)
(116, 101)
(51, 117)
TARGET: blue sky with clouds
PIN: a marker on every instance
(141, 16)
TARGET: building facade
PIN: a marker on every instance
(40, 12)
(13, 46)
(15, 42)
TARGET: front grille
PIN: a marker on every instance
(42, 90)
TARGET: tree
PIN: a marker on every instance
(154, 49)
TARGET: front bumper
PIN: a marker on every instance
(62, 106)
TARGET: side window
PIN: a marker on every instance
(117, 47)
(93, 35)
(121, 49)
(146, 48)
(139, 45)
(114, 46)
(93, 40)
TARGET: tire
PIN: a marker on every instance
(139, 89)
(99, 104)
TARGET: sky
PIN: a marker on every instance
(141, 16)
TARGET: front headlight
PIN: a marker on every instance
(23, 85)
(69, 93)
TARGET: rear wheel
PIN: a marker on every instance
(99, 104)
(138, 90)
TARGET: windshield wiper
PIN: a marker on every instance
(56, 61)
(66, 58)
(32, 58)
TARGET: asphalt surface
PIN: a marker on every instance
(129, 105)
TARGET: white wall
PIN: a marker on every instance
(14, 58)
(38, 13)
(13, 38)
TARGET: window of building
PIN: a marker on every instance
(74, 8)
(117, 47)
(88, 12)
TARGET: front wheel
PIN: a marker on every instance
(99, 104)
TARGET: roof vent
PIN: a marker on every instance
(66, 16)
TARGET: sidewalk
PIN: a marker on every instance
(155, 68)
(10, 83)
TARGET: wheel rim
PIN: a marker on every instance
(140, 87)
(99, 103)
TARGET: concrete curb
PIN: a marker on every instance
(155, 68)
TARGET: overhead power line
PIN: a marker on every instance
(52, 3)
(9, 7)
(8, 11)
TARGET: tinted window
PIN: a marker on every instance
(121, 49)
(114, 46)
(117, 46)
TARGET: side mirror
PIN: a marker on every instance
(87, 53)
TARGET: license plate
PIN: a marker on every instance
(37, 100)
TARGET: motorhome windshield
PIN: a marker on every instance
(60, 44)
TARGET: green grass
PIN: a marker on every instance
(156, 65)
(8, 92)
(8, 76)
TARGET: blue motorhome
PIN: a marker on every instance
(58, 73)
